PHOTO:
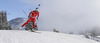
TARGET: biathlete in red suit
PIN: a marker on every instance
(32, 17)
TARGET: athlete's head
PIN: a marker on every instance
(36, 9)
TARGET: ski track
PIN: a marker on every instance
(14, 36)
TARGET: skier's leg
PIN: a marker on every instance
(30, 25)
(36, 28)
(34, 21)
(33, 24)
(27, 22)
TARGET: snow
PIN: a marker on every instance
(16, 36)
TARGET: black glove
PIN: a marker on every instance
(37, 18)
(28, 16)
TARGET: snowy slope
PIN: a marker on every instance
(14, 36)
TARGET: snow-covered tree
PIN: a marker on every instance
(91, 32)
(54, 30)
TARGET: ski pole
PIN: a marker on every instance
(25, 13)
(38, 6)
(30, 10)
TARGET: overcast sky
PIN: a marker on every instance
(70, 15)
(63, 15)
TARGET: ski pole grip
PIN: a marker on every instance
(39, 4)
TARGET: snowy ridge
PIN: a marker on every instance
(17, 22)
(14, 36)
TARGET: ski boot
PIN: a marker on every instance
(19, 28)
(32, 30)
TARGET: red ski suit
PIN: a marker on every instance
(32, 16)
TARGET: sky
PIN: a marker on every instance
(70, 15)
(14, 8)
(63, 15)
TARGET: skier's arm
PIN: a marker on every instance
(37, 15)
(30, 14)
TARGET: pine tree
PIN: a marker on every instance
(3, 21)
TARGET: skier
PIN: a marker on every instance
(32, 17)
